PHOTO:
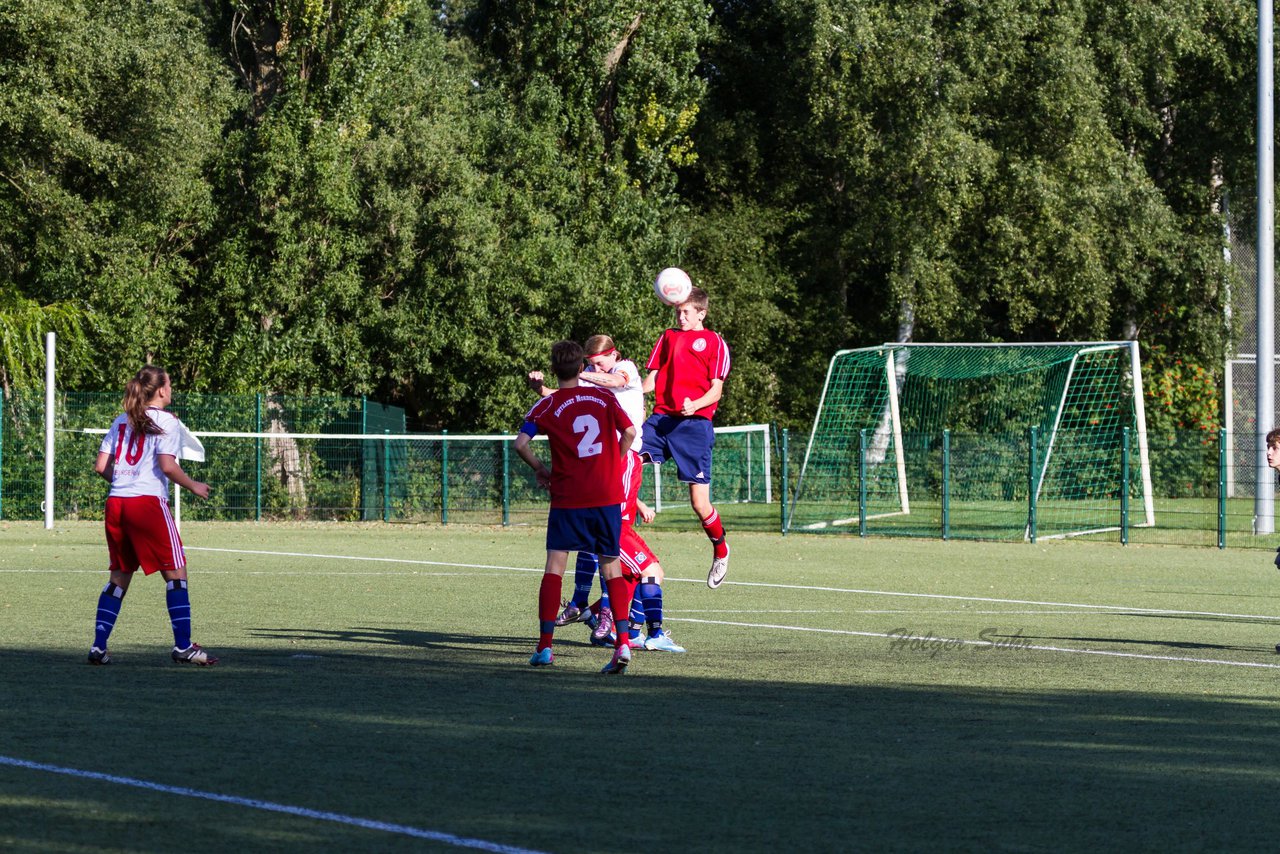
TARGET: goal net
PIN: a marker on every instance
(984, 441)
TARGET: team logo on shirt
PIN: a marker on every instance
(699, 345)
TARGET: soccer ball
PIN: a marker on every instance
(673, 286)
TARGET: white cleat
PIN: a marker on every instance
(719, 569)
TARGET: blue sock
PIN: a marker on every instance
(109, 602)
(604, 593)
(584, 575)
(635, 619)
(651, 594)
(175, 596)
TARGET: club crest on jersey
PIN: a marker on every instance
(699, 345)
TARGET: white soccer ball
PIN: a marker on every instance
(673, 286)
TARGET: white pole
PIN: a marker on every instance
(50, 344)
(1140, 417)
(1228, 421)
(768, 468)
(891, 383)
(1264, 502)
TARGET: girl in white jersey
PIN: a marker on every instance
(138, 457)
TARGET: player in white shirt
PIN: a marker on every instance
(607, 369)
(139, 457)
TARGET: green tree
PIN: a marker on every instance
(962, 170)
(109, 114)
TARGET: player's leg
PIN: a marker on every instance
(110, 601)
(159, 548)
(700, 499)
(122, 563)
(177, 598)
(577, 609)
(621, 589)
(548, 603)
(691, 444)
(635, 622)
(650, 591)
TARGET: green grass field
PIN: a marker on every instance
(837, 694)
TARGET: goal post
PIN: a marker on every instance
(947, 431)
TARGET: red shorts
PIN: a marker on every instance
(636, 556)
(140, 532)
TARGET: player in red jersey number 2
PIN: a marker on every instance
(590, 434)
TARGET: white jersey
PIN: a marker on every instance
(137, 466)
(630, 396)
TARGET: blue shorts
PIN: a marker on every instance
(585, 529)
(686, 439)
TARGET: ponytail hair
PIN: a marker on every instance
(138, 392)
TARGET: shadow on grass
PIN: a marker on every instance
(455, 733)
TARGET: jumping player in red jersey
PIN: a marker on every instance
(687, 370)
(590, 435)
(138, 457)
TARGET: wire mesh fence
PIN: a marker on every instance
(344, 460)
(336, 459)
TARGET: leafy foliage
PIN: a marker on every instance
(411, 200)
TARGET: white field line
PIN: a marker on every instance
(814, 588)
(851, 590)
(301, 812)
(928, 642)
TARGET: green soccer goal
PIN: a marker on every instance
(981, 441)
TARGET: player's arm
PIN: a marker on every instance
(646, 512)
(599, 378)
(105, 465)
(536, 381)
(712, 396)
(655, 365)
(523, 438)
(625, 438)
(172, 470)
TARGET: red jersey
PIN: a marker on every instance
(582, 424)
(688, 362)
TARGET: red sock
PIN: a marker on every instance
(620, 591)
(715, 533)
(548, 605)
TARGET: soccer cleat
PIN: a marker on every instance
(719, 569)
(98, 656)
(603, 632)
(618, 664)
(542, 658)
(572, 614)
(193, 654)
(662, 643)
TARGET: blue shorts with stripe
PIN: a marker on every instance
(687, 439)
(596, 530)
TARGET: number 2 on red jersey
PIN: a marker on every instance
(590, 428)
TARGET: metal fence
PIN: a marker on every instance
(320, 468)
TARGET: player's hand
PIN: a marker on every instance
(544, 479)
(687, 408)
(535, 380)
(646, 512)
(200, 489)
